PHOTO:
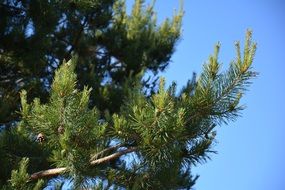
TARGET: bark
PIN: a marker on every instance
(48, 173)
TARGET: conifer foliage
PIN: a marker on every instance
(111, 45)
(150, 144)
(151, 138)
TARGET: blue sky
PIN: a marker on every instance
(251, 153)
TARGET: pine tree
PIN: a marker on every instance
(111, 45)
(102, 126)
(150, 144)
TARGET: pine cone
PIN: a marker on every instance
(40, 137)
(60, 129)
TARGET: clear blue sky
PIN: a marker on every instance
(251, 151)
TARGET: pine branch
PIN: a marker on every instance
(106, 150)
(113, 156)
(48, 173)
(77, 38)
(58, 171)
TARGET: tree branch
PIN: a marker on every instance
(106, 150)
(58, 171)
(77, 37)
(113, 156)
(48, 173)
